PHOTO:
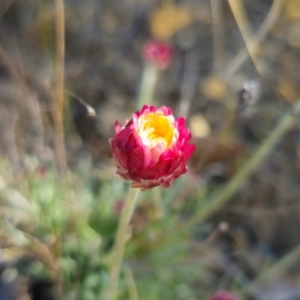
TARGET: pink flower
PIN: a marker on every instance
(152, 148)
(158, 53)
(223, 295)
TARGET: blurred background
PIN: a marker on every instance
(69, 69)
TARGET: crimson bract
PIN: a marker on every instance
(152, 148)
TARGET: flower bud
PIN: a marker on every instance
(152, 148)
(223, 295)
(158, 53)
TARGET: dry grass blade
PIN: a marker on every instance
(190, 81)
(17, 90)
(11, 70)
(240, 15)
(218, 34)
(59, 83)
(259, 37)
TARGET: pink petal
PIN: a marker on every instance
(188, 150)
(166, 110)
(180, 123)
(119, 155)
(131, 143)
(122, 137)
(168, 155)
(117, 127)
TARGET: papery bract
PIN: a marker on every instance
(158, 53)
(152, 148)
(223, 295)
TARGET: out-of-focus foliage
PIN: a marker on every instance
(235, 70)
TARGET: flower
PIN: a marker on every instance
(223, 295)
(152, 148)
(158, 53)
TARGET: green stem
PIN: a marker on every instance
(131, 285)
(120, 241)
(253, 163)
(149, 79)
(159, 211)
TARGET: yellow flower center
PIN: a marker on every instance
(155, 128)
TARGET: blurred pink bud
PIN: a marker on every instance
(223, 295)
(42, 171)
(118, 207)
(158, 53)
